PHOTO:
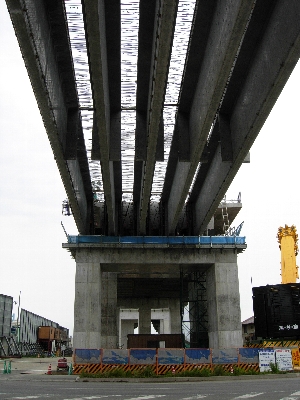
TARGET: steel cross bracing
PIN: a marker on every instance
(151, 107)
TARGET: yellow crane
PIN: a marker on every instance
(288, 244)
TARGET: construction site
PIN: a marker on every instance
(150, 109)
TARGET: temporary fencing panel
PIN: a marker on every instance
(197, 356)
(87, 356)
(143, 356)
(117, 356)
(178, 360)
(224, 356)
(248, 355)
(170, 356)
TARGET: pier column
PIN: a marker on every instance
(175, 316)
(109, 315)
(223, 300)
(87, 307)
(144, 316)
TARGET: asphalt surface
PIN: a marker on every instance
(32, 366)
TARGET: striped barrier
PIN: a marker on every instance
(163, 361)
(275, 343)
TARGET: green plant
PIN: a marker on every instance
(219, 371)
(117, 373)
(252, 371)
(146, 372)
(274, 368)
(239, 371)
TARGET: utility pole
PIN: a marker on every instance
(18, 328)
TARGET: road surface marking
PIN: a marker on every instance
(249, 395)
(290, 398)
(94, 397)
(151, 396)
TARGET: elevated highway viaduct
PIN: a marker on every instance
(238, 56)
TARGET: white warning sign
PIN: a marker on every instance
(284, 359)
(266, 357)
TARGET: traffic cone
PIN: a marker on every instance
(231, 370)
(49, 372)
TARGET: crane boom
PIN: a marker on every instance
(288, 244)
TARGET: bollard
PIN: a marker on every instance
(9, 367)
(4, 368)
(70, 370)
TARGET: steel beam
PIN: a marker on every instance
(42, 33)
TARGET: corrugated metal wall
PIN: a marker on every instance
(6, 305)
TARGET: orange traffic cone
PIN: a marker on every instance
(49, 372)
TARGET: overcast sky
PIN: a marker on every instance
(31, 193)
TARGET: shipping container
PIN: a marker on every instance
(277, 311)
(46, 332)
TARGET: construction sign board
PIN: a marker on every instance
(284, 359)
(266, 357)
(296, 358)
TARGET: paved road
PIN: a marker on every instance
(263, 389)
(31, 365)
(29, 380)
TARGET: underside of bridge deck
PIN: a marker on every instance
(238, 56)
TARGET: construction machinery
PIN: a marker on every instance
(288, 244)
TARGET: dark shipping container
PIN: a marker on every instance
(277, 311)
(145, 341)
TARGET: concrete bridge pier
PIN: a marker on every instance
(223, 299)
(147, 279)
(95, 308)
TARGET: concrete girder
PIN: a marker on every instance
(94, 18)
(275, 60)
(42, 33)
(225, 36)
(161, 53)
